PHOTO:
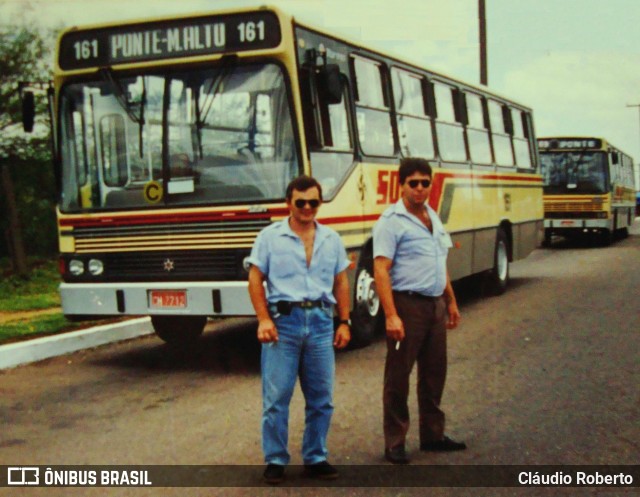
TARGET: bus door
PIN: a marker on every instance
(111, 147)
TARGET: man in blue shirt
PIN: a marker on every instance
(410, 247)
(304, 266)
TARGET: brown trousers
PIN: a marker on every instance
(425, 343)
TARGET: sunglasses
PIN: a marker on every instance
(313, 203)
(413, 183)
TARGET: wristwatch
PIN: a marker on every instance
(345, 321)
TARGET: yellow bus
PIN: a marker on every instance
(176, 138)
(588, 188)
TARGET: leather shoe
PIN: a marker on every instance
(444, 445)
(322, 470)
(274, 474)
(397, 455)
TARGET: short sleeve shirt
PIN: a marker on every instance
(419, 257)
(279, 254)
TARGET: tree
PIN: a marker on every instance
(24, 56)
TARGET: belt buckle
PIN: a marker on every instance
(306, 304)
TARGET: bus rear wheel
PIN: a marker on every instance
(367, 314)
(179, 330)
(498, 277)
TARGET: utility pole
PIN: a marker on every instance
(482, 18)
(637, 164)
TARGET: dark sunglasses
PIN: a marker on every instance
(313, 203)
(413, 183)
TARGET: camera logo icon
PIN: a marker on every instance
(23, 475)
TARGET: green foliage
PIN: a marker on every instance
(47, 324)
(25, 56)
(34, 185)
(38, 291)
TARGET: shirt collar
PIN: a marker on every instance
(285, 229)
(400, 208)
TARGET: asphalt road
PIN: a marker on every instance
(546, 374)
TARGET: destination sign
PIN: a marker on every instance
(561, 143)
(169, 39)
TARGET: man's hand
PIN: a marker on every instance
(267, 331)
(454, 315)
(343, 336)
(395, 328)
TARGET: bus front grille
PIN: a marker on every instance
(183, 265)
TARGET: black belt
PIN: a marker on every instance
(285, 306)
(416, 295)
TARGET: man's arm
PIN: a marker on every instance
(341, 293)
(267, 331)
(382, 276)
(452, 305)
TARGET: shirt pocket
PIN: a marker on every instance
(325, 265)
(444, 240)
(417, 244)
(283, 264)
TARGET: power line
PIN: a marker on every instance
(637, 165)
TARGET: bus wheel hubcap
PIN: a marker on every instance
(502, 263)
(366, 295)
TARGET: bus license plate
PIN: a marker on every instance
(568, 223)
(168, 299)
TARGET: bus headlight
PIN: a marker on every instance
(76, 267)
(96, 267)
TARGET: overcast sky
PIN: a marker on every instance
(575, 62)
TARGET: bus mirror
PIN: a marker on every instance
(28, 111)
(330, 84)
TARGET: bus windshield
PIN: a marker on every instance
(577, 172)
(203, 136)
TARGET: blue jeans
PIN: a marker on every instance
(304, 350)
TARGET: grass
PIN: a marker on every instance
(39, 290)
(36, 326)
(30, 306)
(29, 297)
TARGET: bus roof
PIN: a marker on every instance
(284, 19)
(389, 55)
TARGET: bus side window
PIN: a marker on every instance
(500, 135)
(521, 140)
(114, 158)
(449, 130)
(372, 107)
(331, 159)
(478, 130)
(413, 121)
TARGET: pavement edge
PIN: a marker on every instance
(15, 354)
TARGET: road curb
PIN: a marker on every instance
(15, 354)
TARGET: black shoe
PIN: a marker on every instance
(444, 445)
(322, 470)
(274, 474)
(397, 455)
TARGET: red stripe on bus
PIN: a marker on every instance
(168, 218)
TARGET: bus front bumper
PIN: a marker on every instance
(138, 299)
(558, 225)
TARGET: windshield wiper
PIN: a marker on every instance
(226, 67)
(573, 174)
